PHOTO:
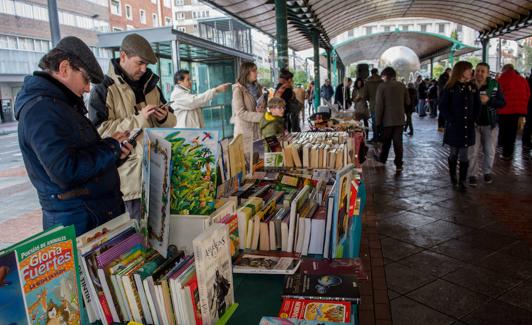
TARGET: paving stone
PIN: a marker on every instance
(520, 296)
(403, 279)
(395, 249)
(406, 311)
(409, 218)
(498, 312)
(448, 298)
(507, 265)
(461, 250)
(432, 263)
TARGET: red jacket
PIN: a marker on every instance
(516, 93)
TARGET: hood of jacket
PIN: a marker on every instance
(42, 84)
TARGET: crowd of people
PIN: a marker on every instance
(87, 170)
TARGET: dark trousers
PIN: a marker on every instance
(408, 123)
(527, 131)
(441, 121)
(508, 133)
(395, 134)
(292, 122)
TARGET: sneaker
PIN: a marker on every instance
(473, 181)
(488, 179)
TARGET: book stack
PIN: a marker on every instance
(124, 280)
(39, 282)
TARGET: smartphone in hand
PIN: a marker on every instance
(132, 140)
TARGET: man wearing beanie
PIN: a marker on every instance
(73, 169)
(129, 98)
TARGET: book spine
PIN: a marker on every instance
(143, 299)
(108, 296)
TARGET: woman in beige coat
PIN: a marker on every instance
(248, 102)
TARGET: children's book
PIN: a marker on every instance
(316, 310)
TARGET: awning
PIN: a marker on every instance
(426, 45)
(333, 17)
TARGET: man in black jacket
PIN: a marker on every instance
(342, 95)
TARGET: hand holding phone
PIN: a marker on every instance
(132, 140)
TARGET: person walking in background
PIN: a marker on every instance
(422, 97)
(486, 129)
(293, 107)
(442, 81)
(72, 168)
(342, 95)
(247, 103)
(369, 93)
(187, 106)
(129, 98)
(301, 95)
(309, 94)
(432, 98)
(361, 104)
(410, 108)
(390, 102)
(527, 131)
(516, 94)
(460, 104)
(327, 92)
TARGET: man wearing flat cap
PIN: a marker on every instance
(73, 169)
(129, 98)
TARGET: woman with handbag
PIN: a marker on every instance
(361, 105)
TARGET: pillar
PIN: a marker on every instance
(281, 33)
(53, 17)
(175, 55)
(485, 43)
(431, 68)
(334, 81)
(316, 45)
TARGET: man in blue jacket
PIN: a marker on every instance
(73, 169)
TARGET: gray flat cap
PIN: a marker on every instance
(139, 46)
(77, 48)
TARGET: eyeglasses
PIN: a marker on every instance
(85, 75)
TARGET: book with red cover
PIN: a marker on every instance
(352, 266)
(192, 286)
(318, 310)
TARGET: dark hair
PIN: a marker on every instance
(245, 69)
(349, 80)
(356, 83)
(285, 74)
(50, 61)
(483, 64)
(458, 72)
(180, 75)
(374, 71)
(389, 72)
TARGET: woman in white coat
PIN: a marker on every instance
(187, 106)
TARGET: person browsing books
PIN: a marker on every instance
(272, 123)
(187, 106)
(73, 169)
(129, 98)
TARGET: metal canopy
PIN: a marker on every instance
(426, 45)
(191, 48)
(333, 17)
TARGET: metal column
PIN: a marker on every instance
(329, 53)
(316, 44)
(176, 60)
(53, 16)
(431, 68)
(485, 43)
(281, 33)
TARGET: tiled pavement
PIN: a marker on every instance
(437, 256)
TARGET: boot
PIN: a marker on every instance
(463, 175)
(452, 170)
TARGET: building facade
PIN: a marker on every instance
(25, 37)
(135, 14)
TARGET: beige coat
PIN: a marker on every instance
(120, 104)
(187, 106)
(245, 116)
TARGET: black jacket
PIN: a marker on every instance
(460, 105)
(422, 90)
(339, 96)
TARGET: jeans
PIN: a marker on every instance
(373, 126)
(408, 123)
(486, 137)
(441, 121)
(433, 108)
(82, 219)
(508, 133)
(421, 107)
(395, 134)
(459, 153)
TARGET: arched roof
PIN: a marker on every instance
(426, 45)
(333, 17)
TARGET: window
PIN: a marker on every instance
(194, 14)
(23, 9)
(116, 8)
(129, 12)
(142, 14)
(179, 2)
(167, 21)
(179, 15)
(387, 28)
(350, 33)
(423, 27)
(167, 3)
(154, 2)
(7, 7)
(459, 28)
(441, 28)
(369, 30)
(154, 20)
(40, 13)
(181, 29)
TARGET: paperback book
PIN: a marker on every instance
(316, 310)
(267, 262)
(322, 287)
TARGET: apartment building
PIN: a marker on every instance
(135, 14)
(25, 37)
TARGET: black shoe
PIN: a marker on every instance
(488, 179)
(462, 175)
(462, 186)
(472, 181)
(505, 158)
(452, 171)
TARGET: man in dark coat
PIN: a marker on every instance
(422, 97)
(442, 80)
(342, 95)
(73, 169)
(390, 102)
